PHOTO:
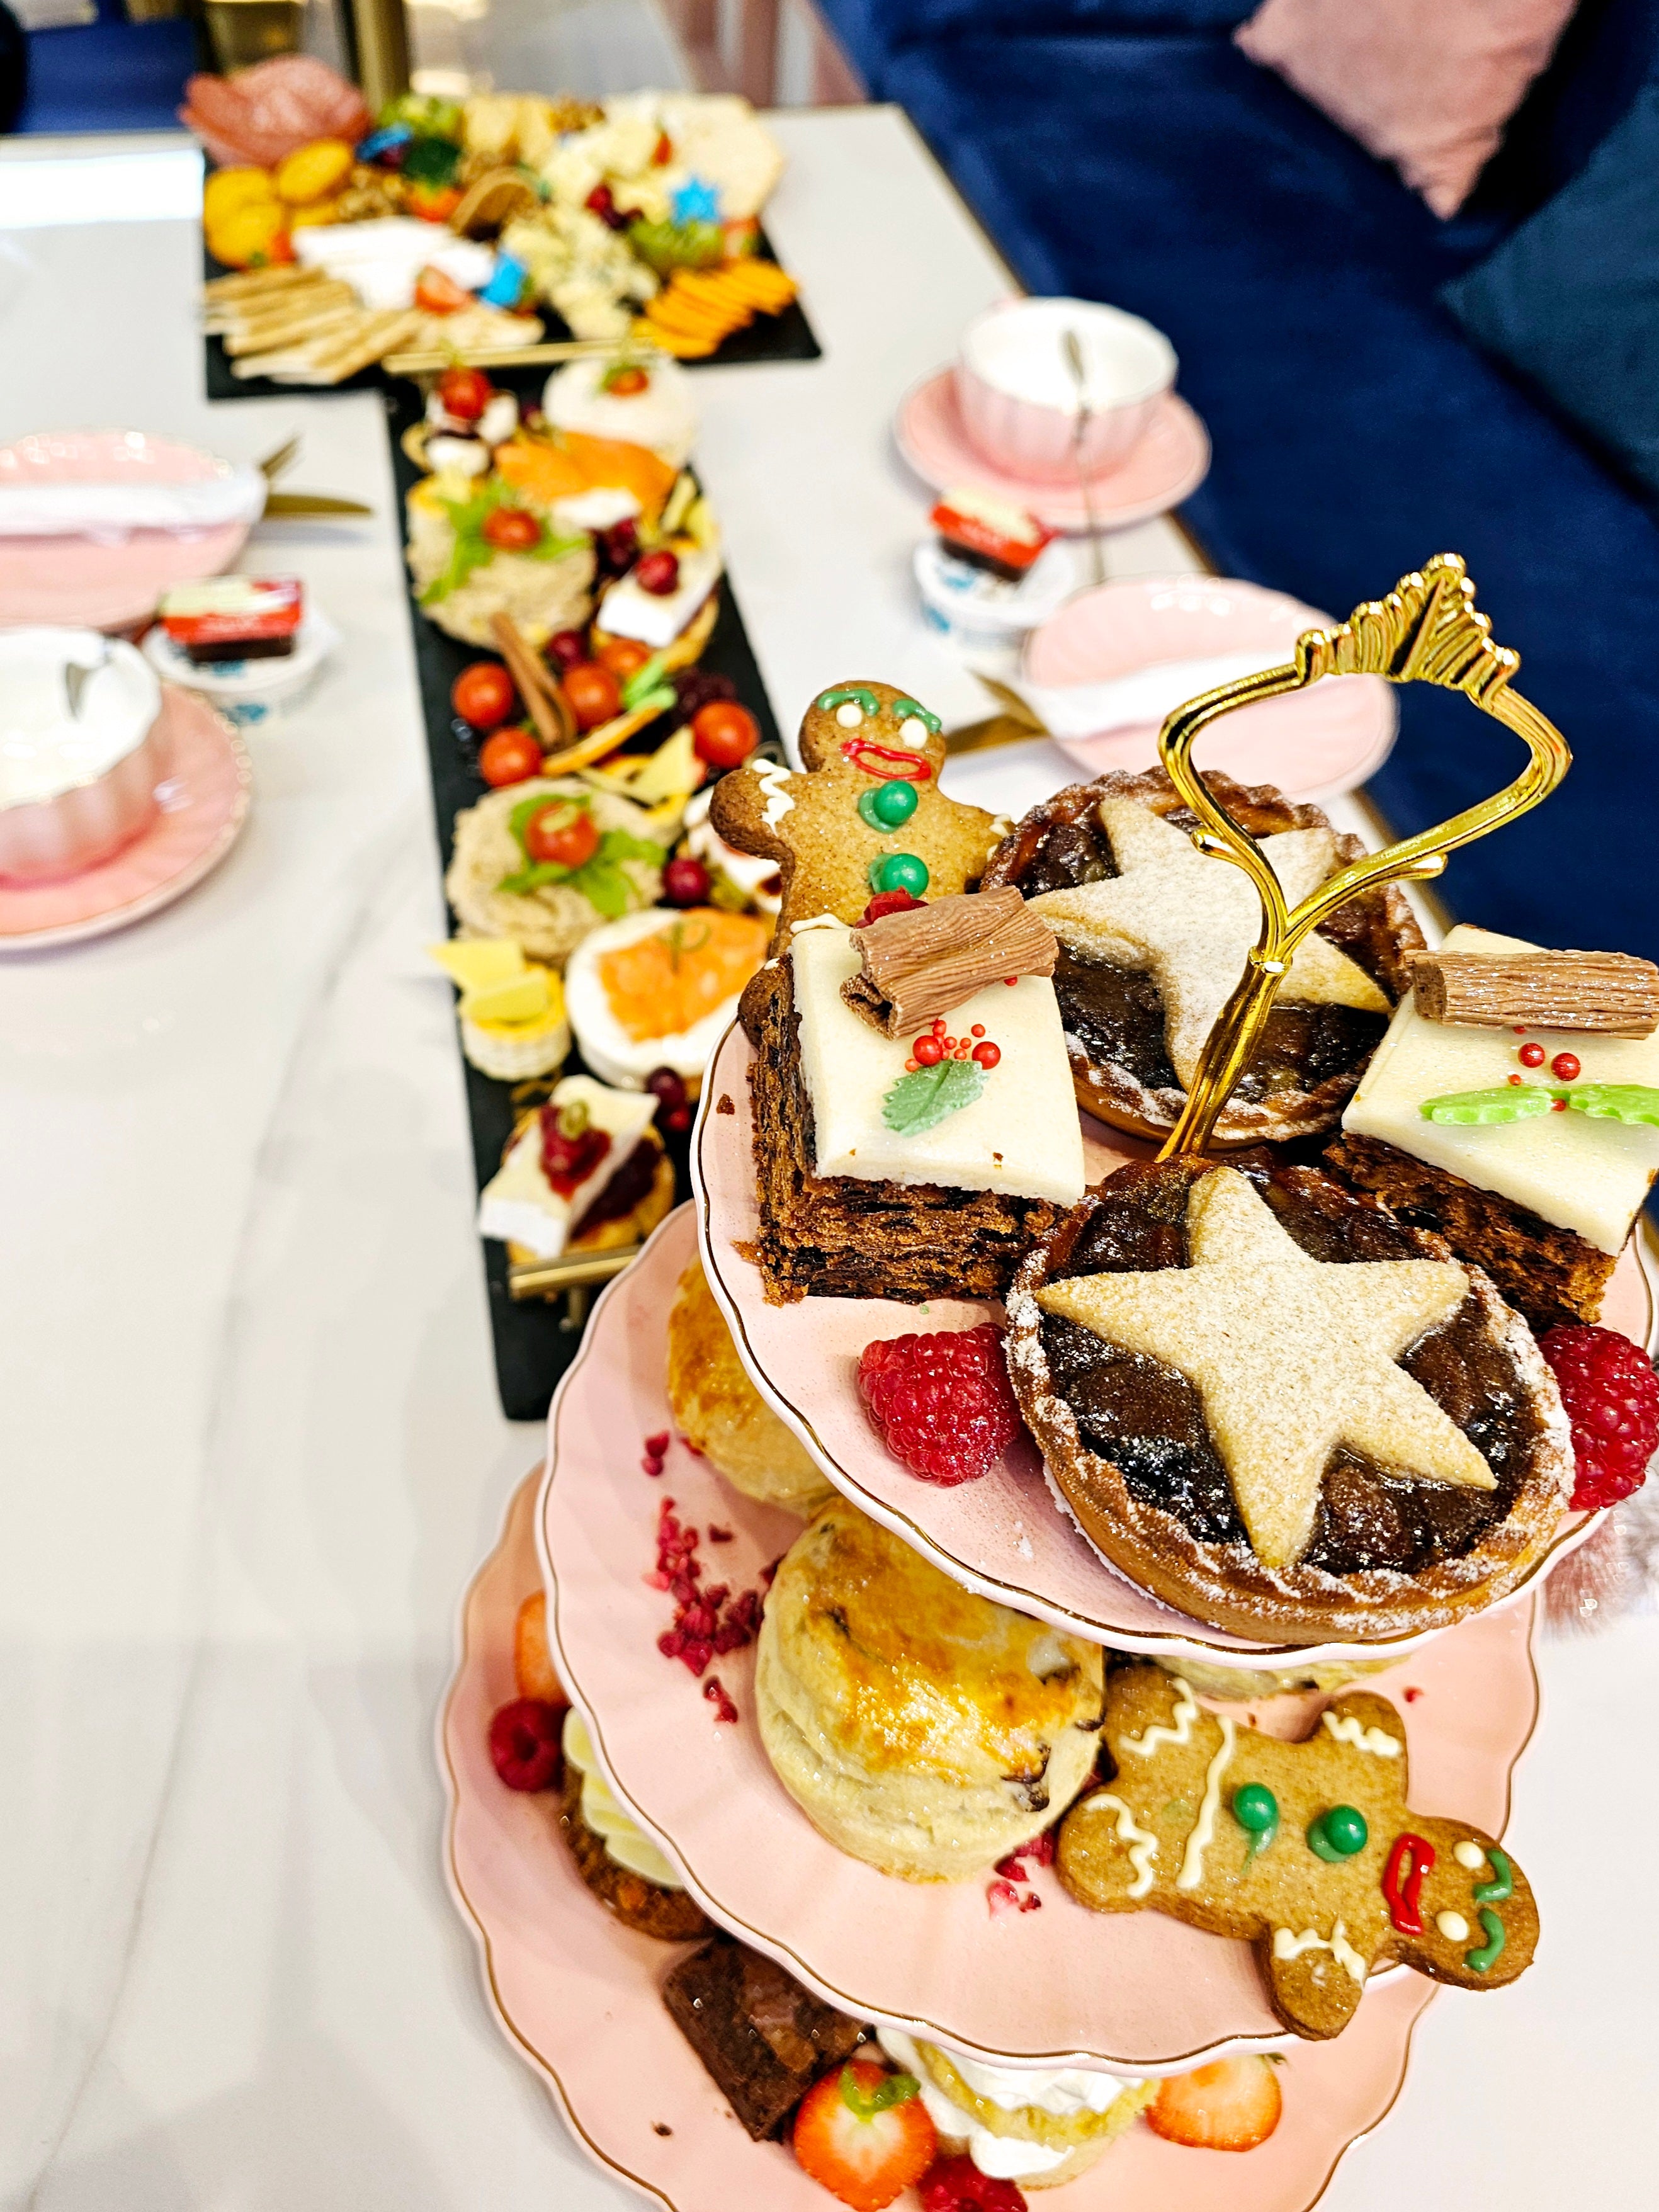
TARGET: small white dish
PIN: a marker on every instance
(986, 618)
(247, 692)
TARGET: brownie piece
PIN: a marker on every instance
(762, 2037)
(844, 1237)
(670, 1915)
(1548, 1275)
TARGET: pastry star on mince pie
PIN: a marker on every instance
(1280, 1409)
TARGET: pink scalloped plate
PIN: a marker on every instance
(1006, 1535)
(577, 1995)
(201, 803)
(1061, 1985)
(1315, 744)
(1166, 465)
(88, 582)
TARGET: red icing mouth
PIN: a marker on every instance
(879, 761)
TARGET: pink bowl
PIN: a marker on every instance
(1018, 399)
(50, 838)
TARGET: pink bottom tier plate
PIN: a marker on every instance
(1005, 1535)
(577, 1996)
(1136, 1991)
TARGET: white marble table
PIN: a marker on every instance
(253, 1450)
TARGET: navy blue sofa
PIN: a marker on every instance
(1125, 151)
(108, 76)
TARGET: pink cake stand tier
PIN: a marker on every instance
(201, 803)
(1006, 1535)
(1166, 465)
(94, 583)
(1060, 1986)
(577, 1996)
(1314, 745)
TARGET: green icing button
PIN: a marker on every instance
(1338, 1834)
(1516, 1102)
(890, 807)
(899, 871)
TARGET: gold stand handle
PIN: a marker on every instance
(379, 48)
(1426, 631)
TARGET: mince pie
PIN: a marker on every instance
(1280, 1409)
(1153, 936)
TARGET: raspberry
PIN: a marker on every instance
(524, 1743)
(1612, 1396)
(955, 2185)
(942, 1401)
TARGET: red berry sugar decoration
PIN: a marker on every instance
(943, 1401)
(525, 1743)
(1612, 1396)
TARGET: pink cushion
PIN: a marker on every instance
(1427, 84)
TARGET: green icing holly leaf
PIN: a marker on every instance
(923, 1099)
(1514, 1102)
(1613, 1101)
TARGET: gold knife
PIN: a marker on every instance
(312, 502)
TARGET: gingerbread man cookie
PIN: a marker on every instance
(1306, 1849)
(864, 815)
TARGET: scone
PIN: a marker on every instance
(1039, 2130)
(719, 1412)
(921, 1728)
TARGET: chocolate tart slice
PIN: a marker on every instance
(1252, 1409)
(1148, 959)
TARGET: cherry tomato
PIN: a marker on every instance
(659, 573)
(509, 757)
(438, 294)
(566, 647)
(483, 695)
(625, 382)
(512, 529)
(623, 657)
(593, 693)
(465, 393)
(724, 734)
(562, 833)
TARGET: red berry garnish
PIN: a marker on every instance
(1515, 1079)
(955, 2185)
(979, 1028)
(525, 1743)
(928, 1051)
(685, 883)
(988, 1055)
(1612, 1396)
(569, 1157)
(887, 902)
(1564, 1067)
(942, 1401)
(1531, 1055)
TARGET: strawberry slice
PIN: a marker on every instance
(1231, 2105)
(864, 2134)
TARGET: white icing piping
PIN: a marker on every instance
(1143, 1848)
(1347, 1728)
(1186, 1712)
(1286, 1945)
(1191, 1865)
(772, 776)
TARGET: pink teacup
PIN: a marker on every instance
(1018, 396)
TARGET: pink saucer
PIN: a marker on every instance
(86, 582)
(1060, 1987)
(576, 1995)
(1168, 464)
(1002, 1536)
(203, 802)
(1314, 745)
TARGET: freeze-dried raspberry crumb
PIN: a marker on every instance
(1612, 1396)
(719, 1536)
(955, 2185)
(656, 1445)
(708, 1623)
(724, 1708)
(942, 1401)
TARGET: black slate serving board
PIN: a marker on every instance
(787, 336)
(533, 1344)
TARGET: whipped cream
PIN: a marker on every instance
(1061, 2094)
(605, 1815)
(73, 703)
